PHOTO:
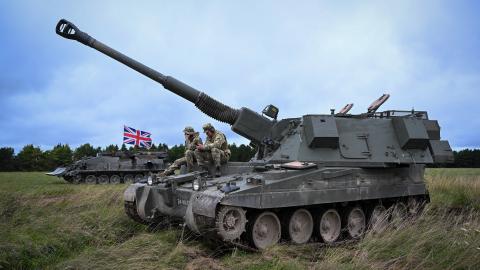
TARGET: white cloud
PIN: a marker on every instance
(305, 57)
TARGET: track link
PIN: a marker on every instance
(131, 211)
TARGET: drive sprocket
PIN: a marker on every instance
(230, 223)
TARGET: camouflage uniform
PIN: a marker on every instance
(189, 158)
(215, 149)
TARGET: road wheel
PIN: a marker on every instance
(265, 231)
(300, 226)
(77, 179)
(330, 226)
(356, 222)
(128, 178)
(415, 206)
(138, 178)
(103, 179)
(91, 179)
(399, 213)
(115, 179)
(378, 218)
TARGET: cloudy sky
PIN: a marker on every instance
(303, 56)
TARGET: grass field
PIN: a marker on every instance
(46, 223)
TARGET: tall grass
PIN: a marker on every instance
(454, 188)
(46, 223)
(46, 220)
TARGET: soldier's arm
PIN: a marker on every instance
(193, 145)
(217, 142)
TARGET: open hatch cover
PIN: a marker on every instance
(298, 165)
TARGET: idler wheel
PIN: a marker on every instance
(330, 226)
(379, 218)
(103, 179)
(265, 230)
(356, 222)
(399, 213)
(230, 222)
(300, 226)
(91, 179)
(115, 179)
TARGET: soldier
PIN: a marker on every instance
(214, 150)
(192, 139)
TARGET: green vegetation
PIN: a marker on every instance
(32, 158)
(454, 188)
(46, 223)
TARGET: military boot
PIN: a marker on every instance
(218, 172)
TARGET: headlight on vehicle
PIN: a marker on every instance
(150, 180)
(196, 184)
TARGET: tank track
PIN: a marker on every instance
(211, 233)
(131, 211)
(159, 223)
(244, 245)
(125, 177)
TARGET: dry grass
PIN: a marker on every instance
(454, 188)
(48, 224)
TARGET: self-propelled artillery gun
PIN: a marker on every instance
(317, 177)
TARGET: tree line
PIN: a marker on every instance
(467, 158)
(32, 158)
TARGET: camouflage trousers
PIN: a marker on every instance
(188, 160)
(215, 156)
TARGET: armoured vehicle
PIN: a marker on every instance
(114, 168)
(317, 177)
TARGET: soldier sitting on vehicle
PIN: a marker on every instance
(215, 150)
(192, 139)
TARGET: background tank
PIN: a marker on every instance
(317, 177)
(112, 168)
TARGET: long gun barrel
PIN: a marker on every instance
(205, 103)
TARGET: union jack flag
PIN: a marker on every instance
(137, 137)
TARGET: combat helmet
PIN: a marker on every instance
(188, 130)
(208, 126)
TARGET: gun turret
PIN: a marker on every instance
(244, 121)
